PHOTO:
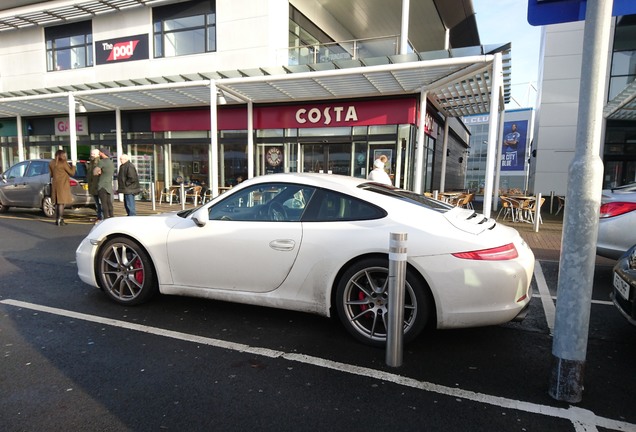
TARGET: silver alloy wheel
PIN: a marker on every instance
(363, 305)
(48, 208)
(125, 272)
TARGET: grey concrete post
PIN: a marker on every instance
(397, 278)
(580, 224)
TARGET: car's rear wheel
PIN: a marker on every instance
(48, 208)
(125, 272)
(362, 302)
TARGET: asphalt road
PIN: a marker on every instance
(73, 360)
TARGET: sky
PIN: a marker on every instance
(502, 21)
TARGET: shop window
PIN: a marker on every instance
(184, 28)
(69, 46)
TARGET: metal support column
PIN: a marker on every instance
(580, 222)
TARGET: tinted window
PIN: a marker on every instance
(333, 206)
(409, 196)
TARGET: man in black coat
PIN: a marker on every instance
(128, 183)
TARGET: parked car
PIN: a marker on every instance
(26, 184)
(617, 223)
(319, 243)
(625, 285)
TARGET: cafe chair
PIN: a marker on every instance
(194, 193)
(531, 209)
(561, 200)
(509, 208)
(170, 195)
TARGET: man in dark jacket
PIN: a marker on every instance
(128, 183)
(105, 183)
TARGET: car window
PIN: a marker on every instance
(37, 168)
(16, 170)
(281, 202)
(412, 197)
(333, 206)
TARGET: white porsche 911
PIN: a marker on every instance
(319, 243)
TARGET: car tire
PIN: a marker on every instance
(362, 302)
(125, 272)
(48, 208)
(3, 208)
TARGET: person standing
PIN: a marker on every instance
(378, 174)
(105, 183)
(128, 183)
(92, 178)
(61, 172)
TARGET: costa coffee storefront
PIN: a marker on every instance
(339, 138)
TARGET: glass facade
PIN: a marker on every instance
(619, 151)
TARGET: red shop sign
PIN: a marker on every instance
(310, 115)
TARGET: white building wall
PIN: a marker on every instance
(558, 108)
(558, 105)
(250, 34)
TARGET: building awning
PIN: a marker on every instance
(457, 85)
(623, 106)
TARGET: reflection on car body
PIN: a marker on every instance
(318, 243)
(617, 223)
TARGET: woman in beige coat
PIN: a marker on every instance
(61, 173)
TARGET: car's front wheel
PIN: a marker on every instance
(125, 272)
(48, 208)
(362, 302)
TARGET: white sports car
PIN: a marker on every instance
(319, 243)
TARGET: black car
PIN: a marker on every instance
(625, 285)
(26, 185)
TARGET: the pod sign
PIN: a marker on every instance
(122, 49)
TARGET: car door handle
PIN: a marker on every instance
(282, 244)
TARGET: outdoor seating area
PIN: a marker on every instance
(520, 208)
(458, 199)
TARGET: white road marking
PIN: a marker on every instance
(548, 305)
(582, 420)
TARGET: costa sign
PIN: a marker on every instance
(122, 49)
(327, 114)
(337, 114)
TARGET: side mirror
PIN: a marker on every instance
(201, 216)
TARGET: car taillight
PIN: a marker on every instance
(499, 253)
(616, 208)
(74, 182)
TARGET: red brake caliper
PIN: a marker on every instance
(139, 276)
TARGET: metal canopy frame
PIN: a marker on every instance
(458, 86)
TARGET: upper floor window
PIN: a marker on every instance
(69, 46)
(184, 28)
(623, 70)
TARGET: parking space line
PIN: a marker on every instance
(544, 293)
(582, 420)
